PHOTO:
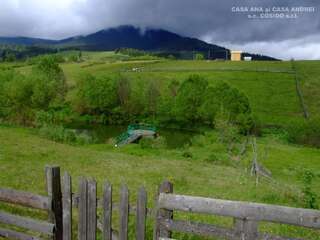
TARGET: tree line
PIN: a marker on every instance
(115, 99)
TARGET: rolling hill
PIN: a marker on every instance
(154, 40)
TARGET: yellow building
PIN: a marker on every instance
(236, 55)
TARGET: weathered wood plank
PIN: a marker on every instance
(107, 212)
(162, 213)
(25, 199)
(115, 206)
(124, 213)
(266, 236)
(244, 210)
(6, 233)
(200, 229)
(67, 207)
(208, 230)
(114, 233)
(246, 229)
(55, 194)
(92, 210)
(82, 224)
(27, 223)
(141, 214)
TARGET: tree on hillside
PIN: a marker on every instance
(123, 90)
(210, 105)
(49, 85)
(190, 98)
(152, 98)
(97, 95)
(231, 100)
(199, 56)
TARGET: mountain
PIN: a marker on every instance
(26, 41)
(155, 40)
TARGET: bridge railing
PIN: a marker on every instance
(141, 126)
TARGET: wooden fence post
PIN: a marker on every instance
(107, 212)
(245, 229)
(141, 214)
(82, 225)
(163, 214)
(54, 192)
(67, 207)
(92, 210)
(124, 213)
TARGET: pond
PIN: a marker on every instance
(174, 138)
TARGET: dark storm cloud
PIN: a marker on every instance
(211, 20)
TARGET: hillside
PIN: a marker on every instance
(155, 40)
(269, 85)
(192, 176)
(203, 164)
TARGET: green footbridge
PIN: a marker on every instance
(134, 133)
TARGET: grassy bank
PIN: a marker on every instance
(23, 155)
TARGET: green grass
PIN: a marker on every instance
(270, 86)
(23, 156)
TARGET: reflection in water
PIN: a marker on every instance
(102, 133)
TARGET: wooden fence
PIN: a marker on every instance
(50, 203)
(61, 201)
(246, 217)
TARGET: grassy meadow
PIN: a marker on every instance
(204, 167)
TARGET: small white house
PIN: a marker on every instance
(247, 59)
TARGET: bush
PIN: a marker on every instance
(96, 95)
(305, 132)
(153, 143)
(212, 158)
(190, 97)
(16, 99)
(48, 83)
(83, 138)
(21, 96)
(187, 154)
(309, 196)
(219, 159)
(58, 133)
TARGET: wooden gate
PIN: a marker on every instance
(51, 204)
(88, 220)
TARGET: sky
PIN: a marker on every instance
(277, 29)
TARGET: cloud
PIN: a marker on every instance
(302, 48)
(211, 20)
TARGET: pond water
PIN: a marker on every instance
(174, 138)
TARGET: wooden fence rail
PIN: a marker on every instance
(246, 217)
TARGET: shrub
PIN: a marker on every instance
(96, 95)
(305, 132)
(219, 159)
(309, 196)
(231, 101)
(212, 158)
(58, 133)
(190, 97)
(48, 83)
(187, 154)
(16, 98)
(84, 138)
(153, 143)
